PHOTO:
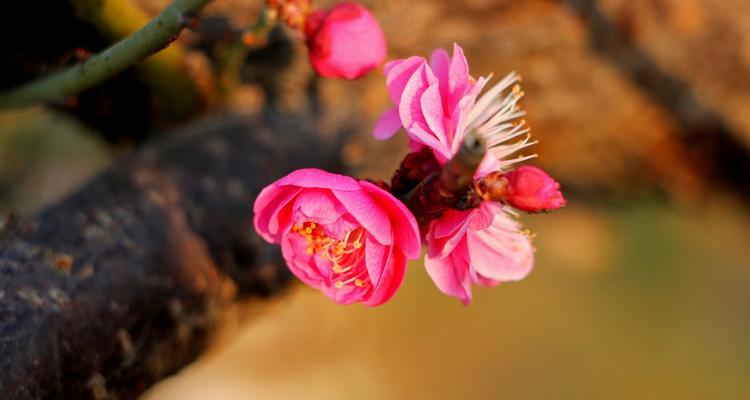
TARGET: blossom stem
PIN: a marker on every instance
(450, 187)
(152, 38)
(165, 73)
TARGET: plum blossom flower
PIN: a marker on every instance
(431, 100)
(345, 41)
(438, 104)
(347, 238)
(481, 245)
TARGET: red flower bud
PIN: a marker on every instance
(533, 190)
(345, 41)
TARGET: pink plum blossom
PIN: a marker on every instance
(480, 246)
(345, 41)
(431, 100)
(533, 190)
(438, 104)
(347, 238)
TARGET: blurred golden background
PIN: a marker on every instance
(641, 285)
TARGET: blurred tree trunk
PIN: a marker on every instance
(122, 283)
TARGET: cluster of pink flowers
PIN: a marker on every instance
(351, 239)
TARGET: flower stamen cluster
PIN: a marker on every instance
(343, 254)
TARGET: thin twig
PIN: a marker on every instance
(153, 37)
(448, 187)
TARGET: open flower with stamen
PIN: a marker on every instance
(347, 238)
(439, 104)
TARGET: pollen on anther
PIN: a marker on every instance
(338, 284)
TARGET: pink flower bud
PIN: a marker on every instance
(345, 41)
(533, 190)
(348, 238)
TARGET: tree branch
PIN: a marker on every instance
(156, 35)
(705, 134)
(122, 283)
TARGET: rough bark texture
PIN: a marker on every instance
(121, 283)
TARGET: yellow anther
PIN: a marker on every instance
(360, 283)
(338, 284)
(357, 244)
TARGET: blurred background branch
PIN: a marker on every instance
(153, 37)
(723, 156)
(126, 281)
(639, 105)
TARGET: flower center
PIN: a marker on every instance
(344, 255)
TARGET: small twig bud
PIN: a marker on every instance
(449, 186)
(458, 173)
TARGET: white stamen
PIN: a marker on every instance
(495, 115)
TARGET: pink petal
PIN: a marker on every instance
(484, 215)
(376, 256)
(398, 74)
(418, 134)
(410, 107)
(451, 275)
(367, 212)
(301, 264)
(319, 206)
(432, 110)
(405, 228)
(501, 252)
(440, 64)
(489, 164)
(388, 124)
(393, 276)
(452, 227)
(458, 116)
(317, 178)
(458, 75)
(266, 209)
(347, 295)
(451, 221)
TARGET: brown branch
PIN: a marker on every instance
(122, 283)
(724, 157)
(448, 186)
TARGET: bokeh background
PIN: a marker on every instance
(641, 286)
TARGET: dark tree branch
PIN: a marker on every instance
(725, 158)
(121, 284)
